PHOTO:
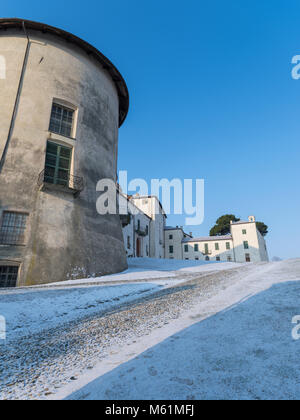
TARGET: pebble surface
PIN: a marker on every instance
(36, 366)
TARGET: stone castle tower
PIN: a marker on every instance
(62, 103)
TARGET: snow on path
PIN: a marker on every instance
(35, 309)
(27, 313)
(150, 269)
(243, 352)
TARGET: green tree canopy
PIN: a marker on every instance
(222, 226)
(262, 228)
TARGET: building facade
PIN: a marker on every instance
(136, 229)
(62, 105)
(174, 237)
(244, 244)
(144, 221)
(151, 206)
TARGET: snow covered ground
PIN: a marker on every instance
(241, 348)
(245, 352)
(27, 313)
(31, 310)
(149, 269)
(160, 330)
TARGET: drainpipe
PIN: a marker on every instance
(17, 100)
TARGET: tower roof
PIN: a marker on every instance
(117, 78)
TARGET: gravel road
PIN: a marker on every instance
(37, 366)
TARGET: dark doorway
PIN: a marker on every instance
(138, 247)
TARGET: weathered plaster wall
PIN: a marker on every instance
(66, 238)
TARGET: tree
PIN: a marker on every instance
(222, 226)
(262, 228)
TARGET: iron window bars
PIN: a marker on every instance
(12, 231)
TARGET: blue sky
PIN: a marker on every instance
(211, 97)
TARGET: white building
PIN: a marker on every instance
(146, 235)
(143, 228)
(244, 244)
(136, 229)
(174, 237)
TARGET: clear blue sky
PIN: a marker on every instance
(211, 97)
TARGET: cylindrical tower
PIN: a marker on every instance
(62, 103)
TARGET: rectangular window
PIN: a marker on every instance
(186, 248)
(196, 248)
(246, 245)
(248, 258)
(128, 242)
(218, 259)
(227, 245)
(58, 164)
(12, 231)
(217, 247)
(170, 237)
(244, 232)
(61, 121)
(171, 249)
(8, 276)
(206, 249)
(139, 225)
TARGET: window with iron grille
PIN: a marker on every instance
(8, 276)
(171, 249)
(12, 230)
(61, 121)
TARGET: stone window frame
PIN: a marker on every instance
(69, 106)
